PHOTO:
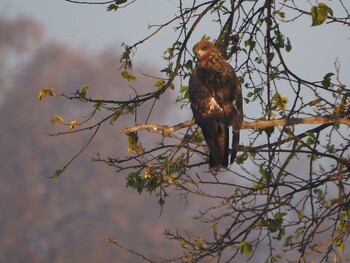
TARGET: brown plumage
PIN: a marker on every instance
(216, 102)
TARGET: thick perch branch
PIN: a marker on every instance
(257, 125)
(293, 121)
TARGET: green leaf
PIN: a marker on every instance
(112, 7)
(270, 56)
(57, 174)
(132, 109)
(326, 82)
(128, 76)
(135, 181)
(115, 6)
(83, 92)
(189, 65)
(98, 105)
(309, 141)
(241, 158)
(288, 45)
(183, 89)
(250, 43)
(275, 224)
(269, 131)
(320, 13)
(246, 248)
(117, 114)
(280, 215)
(325, 7)
(319, 193)
(159, 83)
(265, 175)
(330, 148)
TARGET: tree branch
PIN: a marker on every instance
(128, 250)
(257, 125)
(90, 3)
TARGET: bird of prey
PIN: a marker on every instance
(216, 102)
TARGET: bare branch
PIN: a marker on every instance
(257, 125)
(113, 241)
(293, 121)
(90, 3)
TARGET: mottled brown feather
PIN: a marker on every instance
(216, 102)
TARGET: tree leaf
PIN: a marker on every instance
(159, 83)
(73, 124)
(128, 76)
(117, 114)
(83, 92)
(245, 248)
(326, 7)
(340, 246)
(183, 89)
(56, 174)
(98, 105)
(112, 7)
(135, 181)
(133, 143)
(320, 13)
(57, 118)
(46, 92)
(288, 45)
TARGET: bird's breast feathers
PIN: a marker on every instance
(214, 106)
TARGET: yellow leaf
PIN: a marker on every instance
(133, 143)
(85, 88)
(138, 149)
(83, 92)
(57, 118)
(73, 124)
(133, 138)
(128, 76)
(279, 101)
(341, 247)
(42, 94)
(46, 92)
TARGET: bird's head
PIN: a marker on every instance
(202, 48)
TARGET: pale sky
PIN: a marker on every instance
(91, 26)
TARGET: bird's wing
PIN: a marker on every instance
(208, 114)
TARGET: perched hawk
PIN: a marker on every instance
(216, 102)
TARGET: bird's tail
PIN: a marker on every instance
(218, 148)
(235, 145)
